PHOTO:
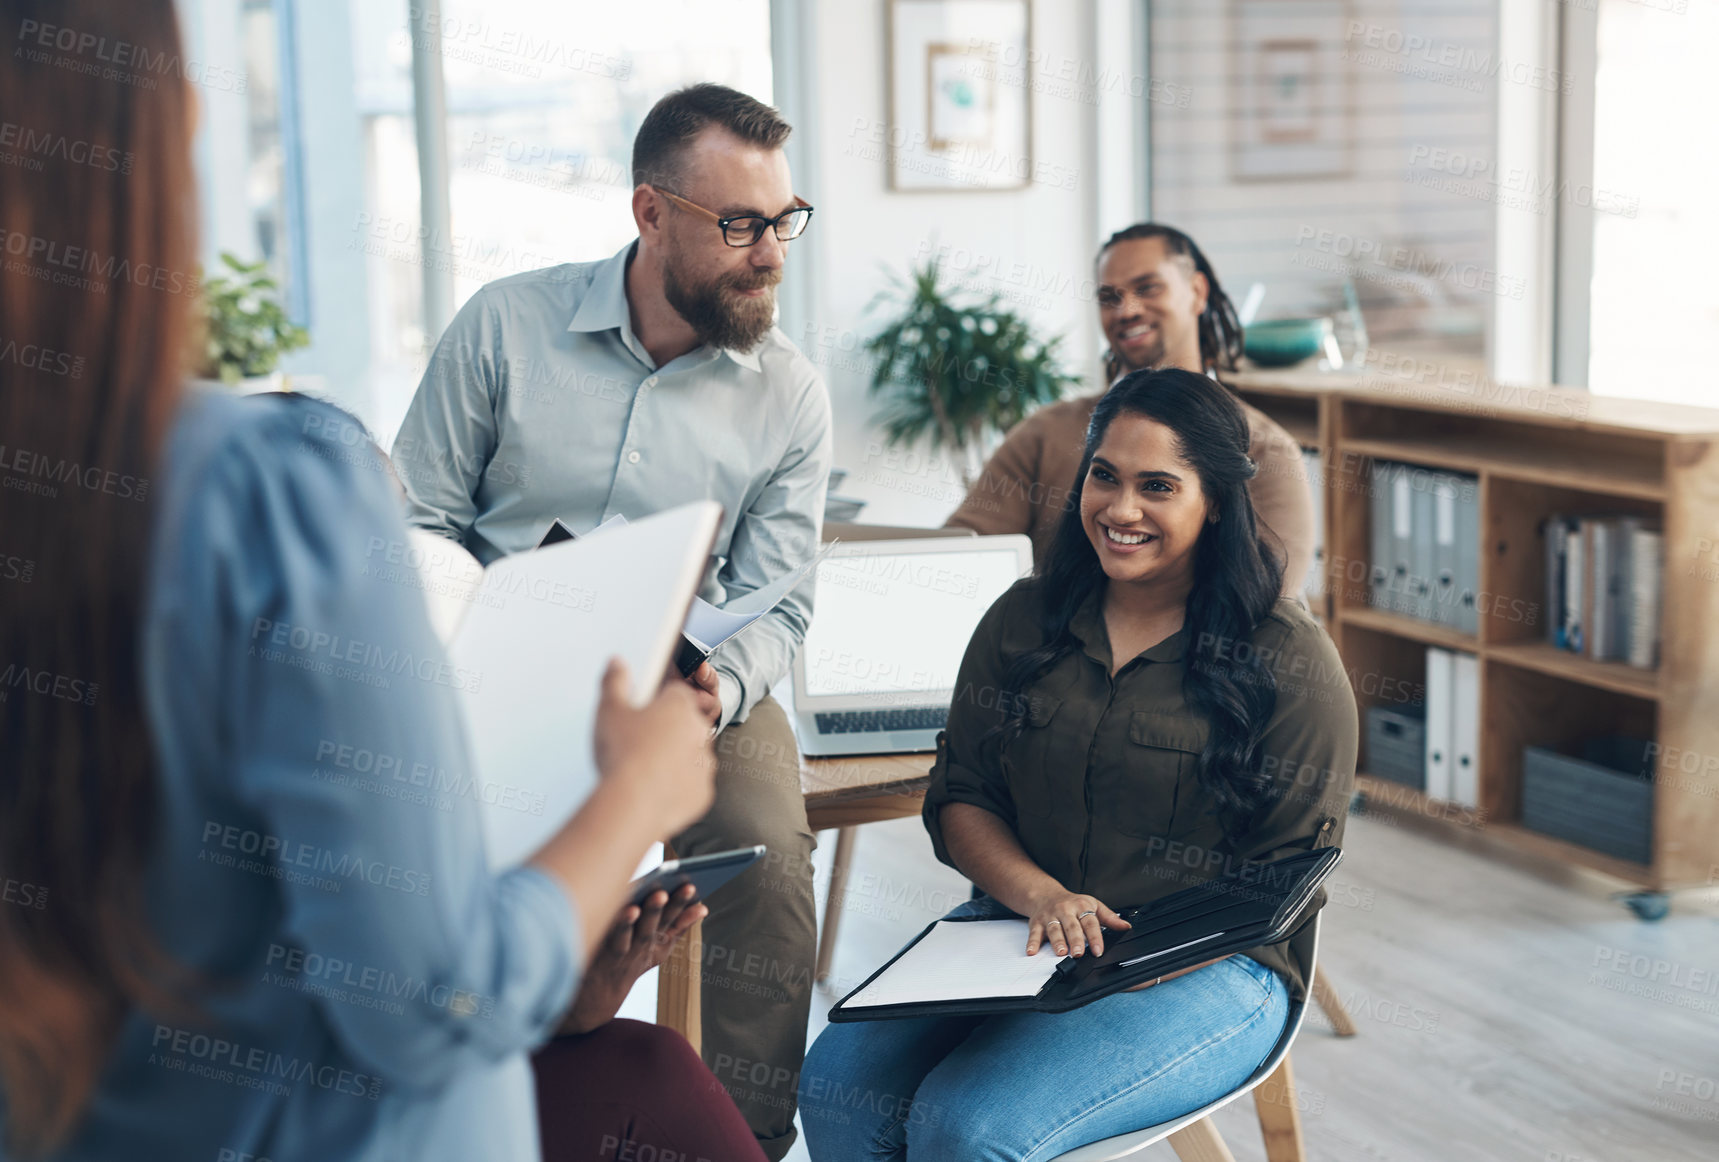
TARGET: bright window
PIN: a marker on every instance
(1655, 294)
(543, 100)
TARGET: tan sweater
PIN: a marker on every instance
(1030, 480)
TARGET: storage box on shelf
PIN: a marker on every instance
(1396, 746)
(1533, 453)
(1600, 800)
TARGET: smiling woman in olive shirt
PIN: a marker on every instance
(1143, 715)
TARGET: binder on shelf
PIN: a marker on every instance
(1555, 533)
(1574, 584)
(1468, 554)
(1604, 576)
(1627, 562)
(1465, 731)
(1421, 548)
(1647, 576)
(1402, 540)
(1441, 666)
(1622, 536)
(1315, 587)
(1380, 547)
(1598, 534)
(1612, 585)
(1443, 574)
(1591, 549)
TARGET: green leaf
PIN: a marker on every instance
(948, 371)
(247, 326)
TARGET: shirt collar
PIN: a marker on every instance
(748, 359)
(1087, 624)
(604, 307)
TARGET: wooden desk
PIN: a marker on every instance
(845, 792)
(841, 793)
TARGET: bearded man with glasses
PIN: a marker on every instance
(632, 385)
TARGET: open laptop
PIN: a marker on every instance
(891, 624)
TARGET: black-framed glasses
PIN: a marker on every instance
(747, 229)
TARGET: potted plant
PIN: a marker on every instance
(246, 329)
(951, 373)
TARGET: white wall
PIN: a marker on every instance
(1035, 246)
(1422, 173)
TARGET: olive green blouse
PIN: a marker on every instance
(1101, 783)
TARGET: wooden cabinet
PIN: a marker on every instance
(1535, 452)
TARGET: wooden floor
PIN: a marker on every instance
(1508, 1012)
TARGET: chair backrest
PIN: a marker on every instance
(1126, 1145)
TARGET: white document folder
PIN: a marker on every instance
(534, 633)
(1465, 731)
(1441, 666)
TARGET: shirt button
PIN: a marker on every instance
(632, 457)
(651, 382)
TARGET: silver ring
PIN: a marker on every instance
(1058, 923)
(1084, 915)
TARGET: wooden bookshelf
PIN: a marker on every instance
(1426, 632)
(1512, 462)
(1546, 658)
(1535, 452)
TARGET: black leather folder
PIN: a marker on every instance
(1256, 904)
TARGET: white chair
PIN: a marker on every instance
(1196, 1139)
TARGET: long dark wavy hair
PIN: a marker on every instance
(1220, 327)
(1236, 580)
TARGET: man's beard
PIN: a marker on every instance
(721, 319)
(1152, 357)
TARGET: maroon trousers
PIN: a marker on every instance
(632, 1092)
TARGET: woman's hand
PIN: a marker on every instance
(665, 745)
(640, 941)
(1070, 923)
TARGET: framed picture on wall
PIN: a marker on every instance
(1292, 108)
(960, 104)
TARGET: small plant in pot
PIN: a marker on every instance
(246, 329)
(952, 373)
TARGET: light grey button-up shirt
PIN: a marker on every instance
(540, 403)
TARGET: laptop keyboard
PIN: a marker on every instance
(874, 721)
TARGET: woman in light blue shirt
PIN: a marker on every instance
(235, 922)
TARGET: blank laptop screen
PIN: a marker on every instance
(899, 623)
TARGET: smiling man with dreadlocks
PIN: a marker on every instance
(1160, 305)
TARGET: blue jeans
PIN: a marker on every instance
(1022, 1087)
